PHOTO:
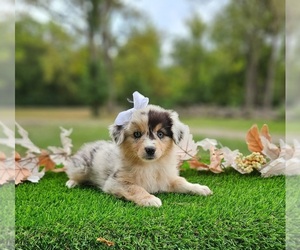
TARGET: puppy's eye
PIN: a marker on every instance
(137, 134)
(160, 134)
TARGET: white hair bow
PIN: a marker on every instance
(139, 102)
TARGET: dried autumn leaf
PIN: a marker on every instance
(269, 149)
(36, 175)
(296, 153)
(273, 168)
(65, 140)
(6, 173)
(10, 140)
(196, 164)
(61, 155)
(31, 162)
(25, 142)
(293, 164)
(27, 168)
(216, 157)
(17, 156)
(292, 167)
(21, 174)
(105, 241)
(207, 143)
(229, 156)
(214, 166)
(45, 160)
(265, 132)
(253, 139)
(2, 156)
(187, 148)
(277, 165)
(287, 150)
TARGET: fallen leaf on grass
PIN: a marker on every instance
(229, 156)
(105, 241)
(293, 163)
(269, 149)
(265, 132)
(286, 163)
(45, 160)
(216, 157)
(6, 173)
(187, 147)
(196, 164)
(21, 173)
(207, 143)
(61, 154)
(253, 139)
(273, 168)
(25, 142)
(10, 140)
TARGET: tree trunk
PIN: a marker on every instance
(93, 24)
(270, 81)
(106, 38)
(251, 77)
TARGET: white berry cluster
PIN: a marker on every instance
(247, 163)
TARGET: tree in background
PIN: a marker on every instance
(190, 54)
(79, 59)
(99, 15)
(47, 69)
(7, 46)
(137, 65)
(90, 20)
(275, 33)
(247, 28)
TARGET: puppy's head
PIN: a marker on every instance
(150, 134)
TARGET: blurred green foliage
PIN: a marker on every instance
(236, 60)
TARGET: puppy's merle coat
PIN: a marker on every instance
(140, 161)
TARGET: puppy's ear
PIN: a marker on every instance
(116, 133)
(178, 128)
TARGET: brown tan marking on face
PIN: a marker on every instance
(148, 137)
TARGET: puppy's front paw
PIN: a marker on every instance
(71, 183)
(201, 190)
(150, 201)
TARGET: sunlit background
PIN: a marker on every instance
(178, 53)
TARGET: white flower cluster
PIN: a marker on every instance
(250, 162)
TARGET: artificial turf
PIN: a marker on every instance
(245, 212)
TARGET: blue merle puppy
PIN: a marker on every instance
(139, 162)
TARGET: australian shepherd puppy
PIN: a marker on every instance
(140, 161)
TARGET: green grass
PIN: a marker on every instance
(7, 216)
(245, 211)
(292, 212)
(277, 126)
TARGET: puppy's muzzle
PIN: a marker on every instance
(150, 151)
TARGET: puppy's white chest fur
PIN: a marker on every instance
(154, 177)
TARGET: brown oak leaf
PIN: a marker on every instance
(21, 174)
(196, 164)
(265, 132)
(253, 139)
(45, 160)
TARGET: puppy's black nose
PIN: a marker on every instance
(150, 150)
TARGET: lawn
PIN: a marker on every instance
(245, 211)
